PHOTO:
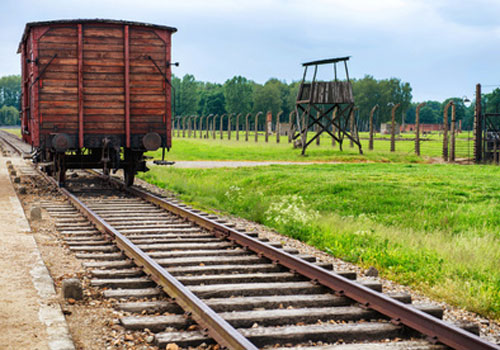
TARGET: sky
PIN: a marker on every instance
(441, 47)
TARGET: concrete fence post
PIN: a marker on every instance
(238, 126)
(247, 126)
(445, 130)
(201, 126)
(370, 142)
(393, 127)
(278, 126)
(452, 131)
(184, 126)
(220, 125)
(214, 125)
(195, 130)
(229, 125)
(257, 126)
(207, 134)
(178, 125)
(269, 121)
(417, 128)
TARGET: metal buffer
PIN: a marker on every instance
(317, 99)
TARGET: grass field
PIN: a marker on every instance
(210, 149)
(430, 226)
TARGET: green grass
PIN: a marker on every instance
(210, 149)
(203, 149)
(15, 130)
(431, 226)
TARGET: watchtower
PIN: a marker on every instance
(316, 100)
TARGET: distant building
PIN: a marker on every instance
(425, 128)
(385, 128)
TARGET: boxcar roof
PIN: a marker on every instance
(95, 20)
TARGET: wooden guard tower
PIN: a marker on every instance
(328, 105)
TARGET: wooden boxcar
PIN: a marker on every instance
(95, 93)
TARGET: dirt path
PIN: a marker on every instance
(28, 311)
(236, 164)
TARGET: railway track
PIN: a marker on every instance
(195, 280)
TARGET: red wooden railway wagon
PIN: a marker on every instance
(95, 93)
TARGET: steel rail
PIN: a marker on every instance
(214, 325)
(435, 329)
(9, 143)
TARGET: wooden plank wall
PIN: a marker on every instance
(103, 80)
(147, 87)
(58, 86)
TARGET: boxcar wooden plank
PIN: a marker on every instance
(58, 61)
(146, 111)
(65, 31)
(58, 46)
(102, 55)
(102, 83)
(103, 47)
(102, 111)
(57, 113)
(57, 97)
(61, 68)
(147, 85)
(146, 49)
(146, 91)
(87, 98)
(105, 104)
(140, 55)
(58, 90)
(146, 63)
(89, 119)
(149, 70)
(137, 105)
(63, 53)
(147, 98)
(103, 91)
(102, 41)
(58, 104)
(58, 82)
(47, 40)
(102, 69)
(102, 31)
(146, 77)
(104, 126)
(151, 42)
(141, 33)
(103, 76)
(51, 117)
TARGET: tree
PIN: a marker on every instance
(10, 90)
(238, 95)
(9, 115)
(267, 97)
(187, 95)
(212, 100)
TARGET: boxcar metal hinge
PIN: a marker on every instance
(43, 70)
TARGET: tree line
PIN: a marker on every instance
(241, 95)
(10, 95)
